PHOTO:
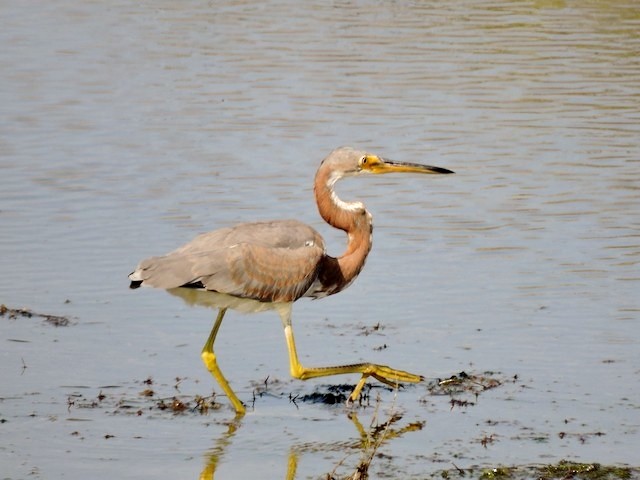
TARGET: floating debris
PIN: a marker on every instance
(13, 313)
(467, 383)
(121, 400)
(562, 470)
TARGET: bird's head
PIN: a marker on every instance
(346, 161)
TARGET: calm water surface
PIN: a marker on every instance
(128, 128)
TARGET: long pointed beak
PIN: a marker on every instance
(378, 165)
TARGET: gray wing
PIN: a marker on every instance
(266, 261)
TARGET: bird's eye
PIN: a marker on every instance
(363, 160)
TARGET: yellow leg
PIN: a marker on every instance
(382, 373)
(209, 359)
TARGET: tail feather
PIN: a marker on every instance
(169, 271)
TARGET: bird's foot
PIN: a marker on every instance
(386, 375)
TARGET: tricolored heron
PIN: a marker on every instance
(259, 266)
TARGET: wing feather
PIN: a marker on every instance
(266, 261)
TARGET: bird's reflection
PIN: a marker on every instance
(214, 455)
(366, 443)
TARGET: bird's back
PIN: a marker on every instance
(275, 261)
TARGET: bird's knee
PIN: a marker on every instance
(209, 359)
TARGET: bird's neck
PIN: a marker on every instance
(350, 217)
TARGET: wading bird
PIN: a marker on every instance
(259, 266)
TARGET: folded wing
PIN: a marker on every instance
(265, 261)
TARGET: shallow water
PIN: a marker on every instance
(126, 129)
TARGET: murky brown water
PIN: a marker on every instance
(126, 129)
